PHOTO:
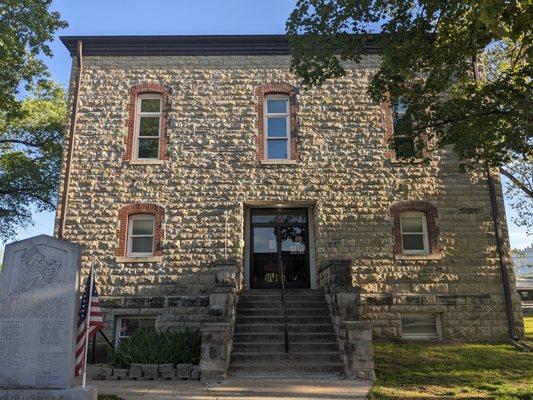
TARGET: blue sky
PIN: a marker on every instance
(172, 17)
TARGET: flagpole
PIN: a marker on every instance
(88, 324)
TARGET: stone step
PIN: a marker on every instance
(279, 337)
(300, 357)
(277, 297)
(274, 328)
(264, 347)
(247, 303)
(260, 369)
(291, 319)
(266, 312)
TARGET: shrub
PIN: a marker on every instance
(150, 347)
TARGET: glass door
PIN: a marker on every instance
(280, 240)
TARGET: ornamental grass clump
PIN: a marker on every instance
(150, 347)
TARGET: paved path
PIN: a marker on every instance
(305, 388)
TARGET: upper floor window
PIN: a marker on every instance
(148, 126)
(277, 127)
(141, 235)
(404, 144)
(414, 233)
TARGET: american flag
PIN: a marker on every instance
(96, 322)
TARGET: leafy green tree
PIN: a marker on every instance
(430, 52)
(31, 129)
(30, 154)
(26, 26)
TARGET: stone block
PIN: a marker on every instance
(150, 371)
(167, 371)
(136, 371)
(195, 373)
(183, 371)
(104, 373)
(119, 373)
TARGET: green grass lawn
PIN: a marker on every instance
(452, 371)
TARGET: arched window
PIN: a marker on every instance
(414, 231)
(276, 119)
(414, 227)
(147, 124)
(147, 127)
(141, 229)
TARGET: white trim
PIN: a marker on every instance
(424, 233)
(286, 115)
(138, 115)
(132, 218)
(121, 317)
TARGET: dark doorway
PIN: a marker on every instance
(279, 242)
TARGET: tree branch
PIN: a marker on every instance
(24, 142)
(516, 182)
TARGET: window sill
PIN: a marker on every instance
(435, 256)
(279, 162)
(138, 259)
(146, 162)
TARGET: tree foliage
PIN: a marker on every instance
(430, 53)
(26, 26)
(30, 154)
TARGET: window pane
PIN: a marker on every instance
(404, 147)
(128, 326)
(277, 127)
(277, 106)
(147, 323)
(150, 105)
(148, 148)
(149, 126)
(420, 324)
(413, 242)
(142, 227)
(141, 244)
(277, 149)
(412, 224)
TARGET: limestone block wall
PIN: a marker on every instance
(213, 170)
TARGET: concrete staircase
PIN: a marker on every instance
(258, 341)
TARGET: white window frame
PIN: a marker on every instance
(423, 336)
(118, 324)
(424, 232)
(267, 115)
(138, 115)
(131, 236)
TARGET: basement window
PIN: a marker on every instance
(421, 327)
(126, 326)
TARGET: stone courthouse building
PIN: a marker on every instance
(201, 162)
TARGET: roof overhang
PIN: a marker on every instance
(189, 45)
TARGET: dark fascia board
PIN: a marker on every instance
(188, 45)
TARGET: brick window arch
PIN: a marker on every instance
(430, 212)
(277, 88)
(134, 93)
(128, 211)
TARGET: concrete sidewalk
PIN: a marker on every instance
(272, 388)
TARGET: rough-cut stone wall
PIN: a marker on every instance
(342, 169)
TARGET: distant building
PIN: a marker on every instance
(525, 290)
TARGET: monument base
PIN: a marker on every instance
(77, 393)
